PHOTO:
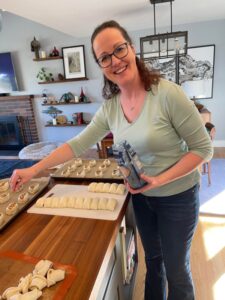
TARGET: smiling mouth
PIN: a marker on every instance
(121, 70)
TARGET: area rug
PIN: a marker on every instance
(212, 197)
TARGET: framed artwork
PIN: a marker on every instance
(74, 62)
(196, 70)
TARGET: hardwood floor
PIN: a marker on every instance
(207, 257)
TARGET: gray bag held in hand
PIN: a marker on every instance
(129, 163)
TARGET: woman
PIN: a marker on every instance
(166, 131)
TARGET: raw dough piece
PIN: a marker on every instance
(48, 202)
(107, 162)
(4, 186)
(1, 218)
(87, 203)
(92, 186)
(78, 162)
(71, 202)
(94, 203)
(24, 283)
(55, 202)
(42, 267)
(92, 163)
(66, 172)
(106, 187)
(38, 281)
(40, 202)
(4, 198)
(116, 173)
(111, 204)
(33, 188)
(23, 197)
(81, 173)
(102, 203)
(121, 189)
(102, 167)
(9, 292)
(72, 167)
(32, 295)
(54, 276)
(99, 187)
(86, 168)
(11, 209)
(79, 202)
(98, 173)
(113, 188)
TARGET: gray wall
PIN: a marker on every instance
(17, 33)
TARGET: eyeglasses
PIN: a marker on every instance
(120, 52)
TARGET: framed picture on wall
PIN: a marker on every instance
(74, 62)
(196, 71)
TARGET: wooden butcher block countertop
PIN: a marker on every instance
(85, 244)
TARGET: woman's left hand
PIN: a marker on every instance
(153, 182)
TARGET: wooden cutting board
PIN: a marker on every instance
(80, 191)
(15, 265)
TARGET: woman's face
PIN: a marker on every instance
(121, 71)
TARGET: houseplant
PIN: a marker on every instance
(44, 75)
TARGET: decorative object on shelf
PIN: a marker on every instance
(43, 54)
(67, 97)
(61, 76)
(43, 75)
(74, 62)
(83, 97)
(35, 46)
(164, 45)
(54, 52)
(53, 112)
(61, 120)
(44, 96)
(78, 118)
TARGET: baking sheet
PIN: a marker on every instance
(76, 174)
(82, 191)
(43, 183)
(15, 265)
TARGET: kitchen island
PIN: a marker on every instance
(87, 244)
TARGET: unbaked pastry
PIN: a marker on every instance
(106, 187)
(107, 162)
(102, 167)
(24, 283)
(4, 186)
(86, 168)
(94, 203)
(113, 188)
(121, 189)
(79, 202)
(33, 188)
(116, 173)
(99, 187)
(78, 162)
(38, 281)
(87, 203)
(98, 173)
(81, 173)
(1, 218)
(32, 295)
(11, 291)
(23, 197)
(40, 202)
(92, 186)
(4, 198)
(48, 202)
(102, 203)
(54, 276)
(11, 209)
(42, 267)
(72, 167)
(111, 204)
(66, 172)
(92, 163)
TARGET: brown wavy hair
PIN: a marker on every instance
(148, 77)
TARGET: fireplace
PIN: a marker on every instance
(10, 133)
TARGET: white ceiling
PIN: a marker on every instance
(79, 17)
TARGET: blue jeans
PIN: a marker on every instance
(166, 226)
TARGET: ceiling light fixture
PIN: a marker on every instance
(163, 45)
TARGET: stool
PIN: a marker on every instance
(38, 150)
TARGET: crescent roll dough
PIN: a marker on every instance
(1, 220)
(113, 188)
(4, 198)
(33, 188)
(40, 202)
(32, 295)
(106, 187)
(24, 283)
(94, 203)
(38, 281)
(11, 209)
(86, 203)
(11, 291)
(4, 186)
(42, 267)
(102, 203)
(55, 276)
(23, 197)
(99, 187)
(111, 204)
(121, 189)
(92, 186)
(79, 202)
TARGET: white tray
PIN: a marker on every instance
(79, 190)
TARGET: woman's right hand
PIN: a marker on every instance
(21, 176)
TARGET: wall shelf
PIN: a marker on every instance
(63, 103)
(47, 58)
(64, 80)
(66, 125)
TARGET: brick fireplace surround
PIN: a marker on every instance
(21, 106)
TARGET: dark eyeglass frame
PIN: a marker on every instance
(112, 54)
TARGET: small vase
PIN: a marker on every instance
(54, 122)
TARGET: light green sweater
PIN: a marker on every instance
(168, 126)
